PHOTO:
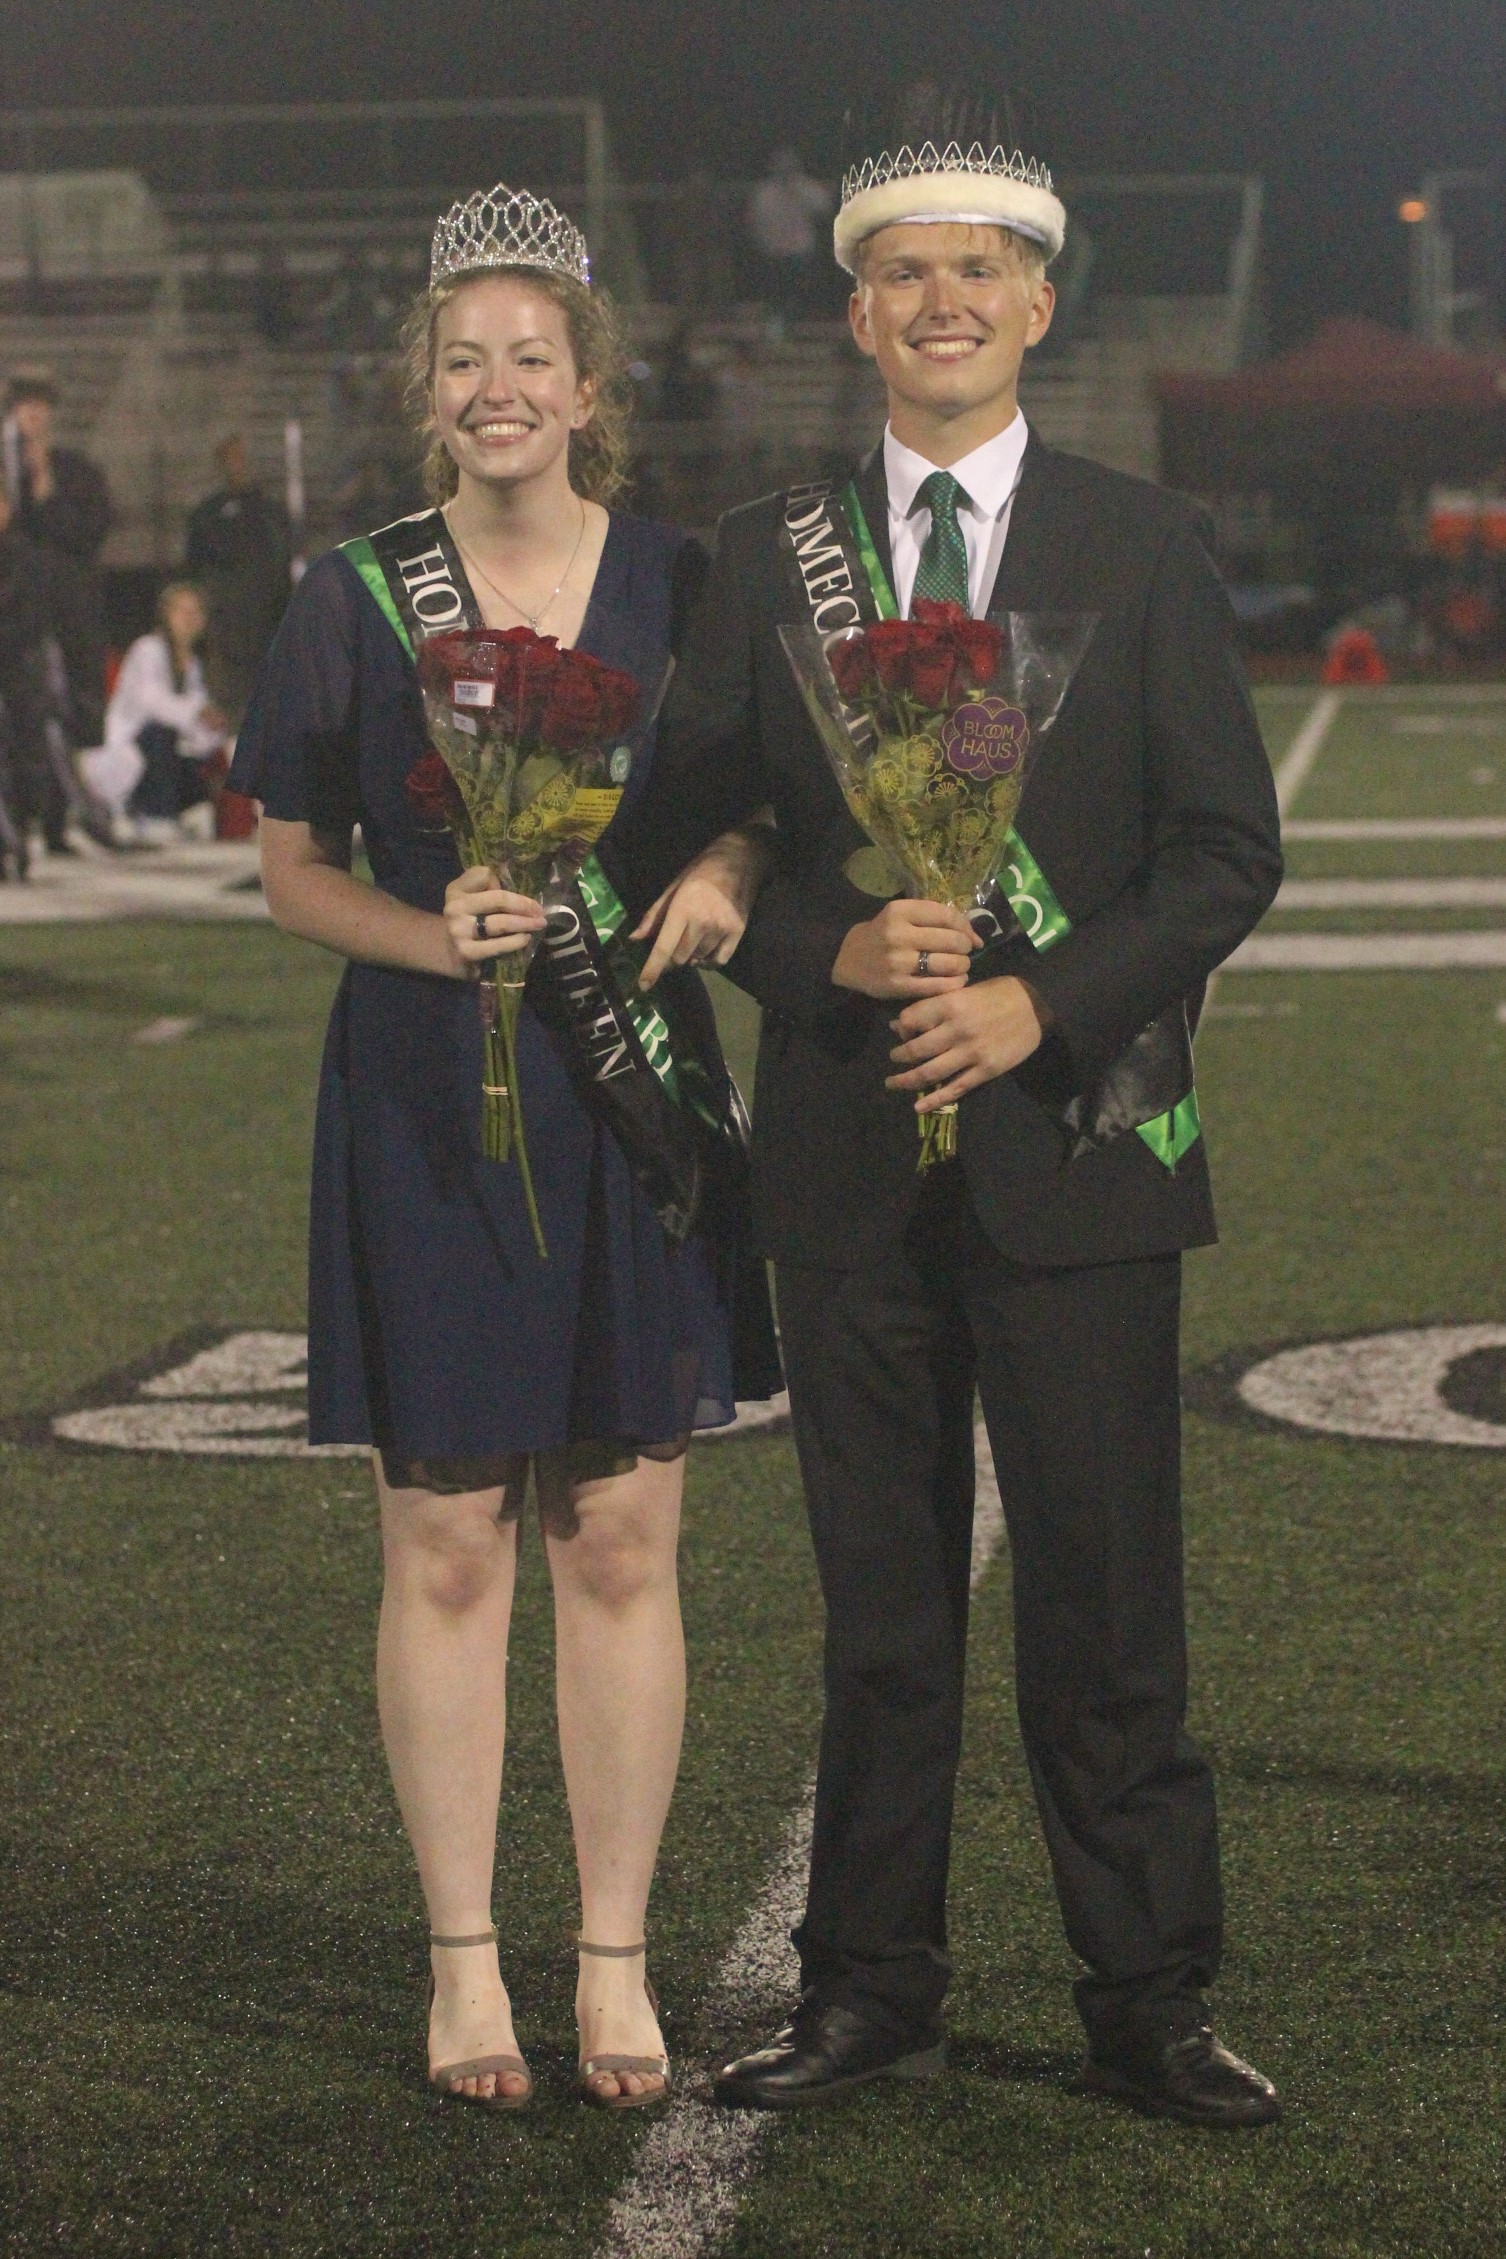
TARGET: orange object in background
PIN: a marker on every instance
(1492, 524)
(1453, 522)
(1355, 657)
(234, 816)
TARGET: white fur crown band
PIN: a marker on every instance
(506, 227)
(982, 187)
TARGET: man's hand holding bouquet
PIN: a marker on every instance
(931, 724)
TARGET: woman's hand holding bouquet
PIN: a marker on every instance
(525, 773)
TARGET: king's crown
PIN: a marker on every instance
(900, 164)
(506, 227)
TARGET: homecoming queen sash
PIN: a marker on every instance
(840, 579)
(644, 1078)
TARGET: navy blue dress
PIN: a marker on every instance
(435, 1331)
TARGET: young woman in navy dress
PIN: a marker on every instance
(436, 1333)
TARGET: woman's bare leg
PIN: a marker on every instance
(620, 1668)
(450, 1564)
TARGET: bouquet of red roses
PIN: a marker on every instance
(931, 724)
(526, 769)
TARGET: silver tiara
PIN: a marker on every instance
(900, 164)
(506, 227)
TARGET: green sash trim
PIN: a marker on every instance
(878, 579)
(360, 553)
(1030, 893)
(683, 1078)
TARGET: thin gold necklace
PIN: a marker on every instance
(533, 618)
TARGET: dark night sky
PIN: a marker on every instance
(1341, 104)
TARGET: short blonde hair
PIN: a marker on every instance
(600, 450)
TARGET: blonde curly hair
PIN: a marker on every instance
(599, 450)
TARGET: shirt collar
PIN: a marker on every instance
(988, 476)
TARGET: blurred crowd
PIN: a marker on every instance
(129, 749)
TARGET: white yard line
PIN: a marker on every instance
(1396, 827)
(193, 880)
(1393, 894)
(1296, 763)
(1370, 953)
(694, 2163)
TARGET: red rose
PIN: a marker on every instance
(930, 665)
(848, 660)
(526, 665)
(588, 703)
(572, 715)
(620, 699)
(980, 646)
(444, 659)
(433, 792)
(517, 663)
(888, 646)
(937, 612)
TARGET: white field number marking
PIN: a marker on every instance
(216, 1405)
(1382, 1387)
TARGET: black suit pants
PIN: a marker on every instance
(1078, 1375)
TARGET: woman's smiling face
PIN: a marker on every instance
(506, 392)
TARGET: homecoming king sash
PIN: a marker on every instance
(835, 567)
(643, 1078)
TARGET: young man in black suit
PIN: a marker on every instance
(1042, 1266)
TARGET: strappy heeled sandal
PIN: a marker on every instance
(478, 2066)
(647, 2066)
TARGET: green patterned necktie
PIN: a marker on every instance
(943, 561)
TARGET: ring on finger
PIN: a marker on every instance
(481, 932)
(923, 965)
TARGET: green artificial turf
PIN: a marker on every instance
(210, 1935)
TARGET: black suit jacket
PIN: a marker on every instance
(1150, 808)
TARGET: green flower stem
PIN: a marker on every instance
(938, 1137)
(510, 1001)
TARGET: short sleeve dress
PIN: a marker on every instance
(436, 1332)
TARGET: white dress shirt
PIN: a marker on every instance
(988, 478)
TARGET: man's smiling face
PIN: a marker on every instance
(947, 311)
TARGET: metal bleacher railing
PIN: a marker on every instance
(189, 271)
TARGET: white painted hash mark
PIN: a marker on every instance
(695, 2161)
(167, 1029)
(1296, 764)
(1395, 827)
(1392, 894)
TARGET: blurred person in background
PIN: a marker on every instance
(784, 215)
(239, 550)
(25, 625)
(62, 504)
(162, 730)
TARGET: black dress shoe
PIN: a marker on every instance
(823, 2053)
(1194, 2080)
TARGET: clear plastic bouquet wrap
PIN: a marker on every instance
(931, 725)
(526, 770)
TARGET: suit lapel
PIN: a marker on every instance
(1044, 535)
